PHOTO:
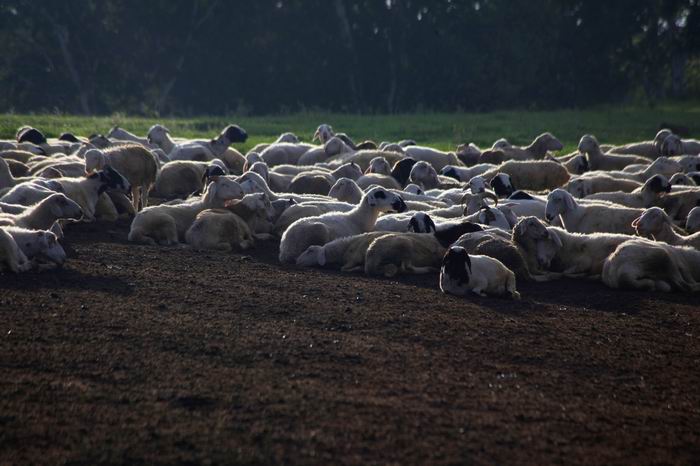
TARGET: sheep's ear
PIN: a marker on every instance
(554, 237)
(430, 224)
(570, 203)
(468, 263)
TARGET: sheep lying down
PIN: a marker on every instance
(461, 273)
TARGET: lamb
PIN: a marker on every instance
(38, 245)
(11, 256)
(219, 230)
(168, 224)
(535, 175)
(585, 186)
(43, 215)
(481, 275)
(653, 266)
(539, 147)
(643, 197)
(132, 161)
(599, 161)
(348, 252)
(648, 149)
(655, 224)
(86, 192)
(692, 223)
(322, 229)
(565, 253)
(434, 157)
(589, 218)
(346, 190)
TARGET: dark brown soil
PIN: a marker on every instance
(134, 354)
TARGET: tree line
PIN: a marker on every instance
(192, 57)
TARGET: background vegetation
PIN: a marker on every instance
(204, 57)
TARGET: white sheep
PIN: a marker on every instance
(461, 273)
(348, 252)
(219, 230)
(11, 256)
(87, 191)
(322, 229)
(654, 188)
(38, 245)
(653, 266)
(346, 190)
(167, 224)
(44, 214)
(536, 175)
(589, 218)
(284, 153)
(586, 185)
(438, 159)
(179, 179)
(655, 224)
(539, 147)
(599, 161)
(396, 253)
(466, 173)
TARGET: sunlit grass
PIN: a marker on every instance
(613, 125)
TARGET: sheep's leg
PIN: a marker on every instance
(135, 197)
(351, 268)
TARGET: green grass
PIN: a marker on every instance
(614, 125)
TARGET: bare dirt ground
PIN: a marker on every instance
(134, 354)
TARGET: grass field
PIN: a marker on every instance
(442, 130)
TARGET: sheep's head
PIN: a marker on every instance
(421, 223)
(493, 217)
(690, 163)
(450, 171)
(468, 153)
(157, 134)
(664, 166)
(288, 137)
(681, 179)
(233, 133)
(661, 137)
(493, 156)
(29, 134)
(576, 187)
(313, 255)
(51, 249)
(401, 171)
(63, 208)
(414, 189)
(474, 202)
(222, 189)
(546, 142)
(261, 169)
(250, 159)
(529, 228)
(68, 137)
(456, 265)
(502, 185)
(671, 146)
(588, 144)
(558, 202)
(323, 133)
(547, 248)
(346, 190)
(657, 184)
(501, 144)
(334, 146)
(348, 170)
(651, 223)
(384, 201)
(424, 174)
(94, 160)
(477, 184)
(111, 179)
(379, 165)
(99, 141)
(692, 223)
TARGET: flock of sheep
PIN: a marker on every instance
(626, 215)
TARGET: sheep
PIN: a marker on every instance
(252, 182)
(599, 161)
(692, 223)
(36, 137)
(17, 155)
(323, 133)
(655, 224)
(348, 252)
(11, 256)
(346, 190)
(652, 266)
(434, 157)
(377, 179)
(219, 230)
(576, 165)
(167, 224)
(179, 179)
(535, 175)
(481, 275)
(539, 147)
(319, 182)
(132, 161)
(465, 174)
(322, 229)
(689, 163)
(424, 174)
(257, 211)
(492, 217)
(585, 186)
(680, 181)
(565, 253)
(38, 245)
(379, 165)
(674, 145)
(284, 137)
(44, 214)
(308, 209)
(86, 192)
(121, 134)
(31, 192)
(364, 157)
(648, 149)
(653, 189)
(589, 218)
(678, 204)
(284, 152)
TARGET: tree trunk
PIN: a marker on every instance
(346, 34)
